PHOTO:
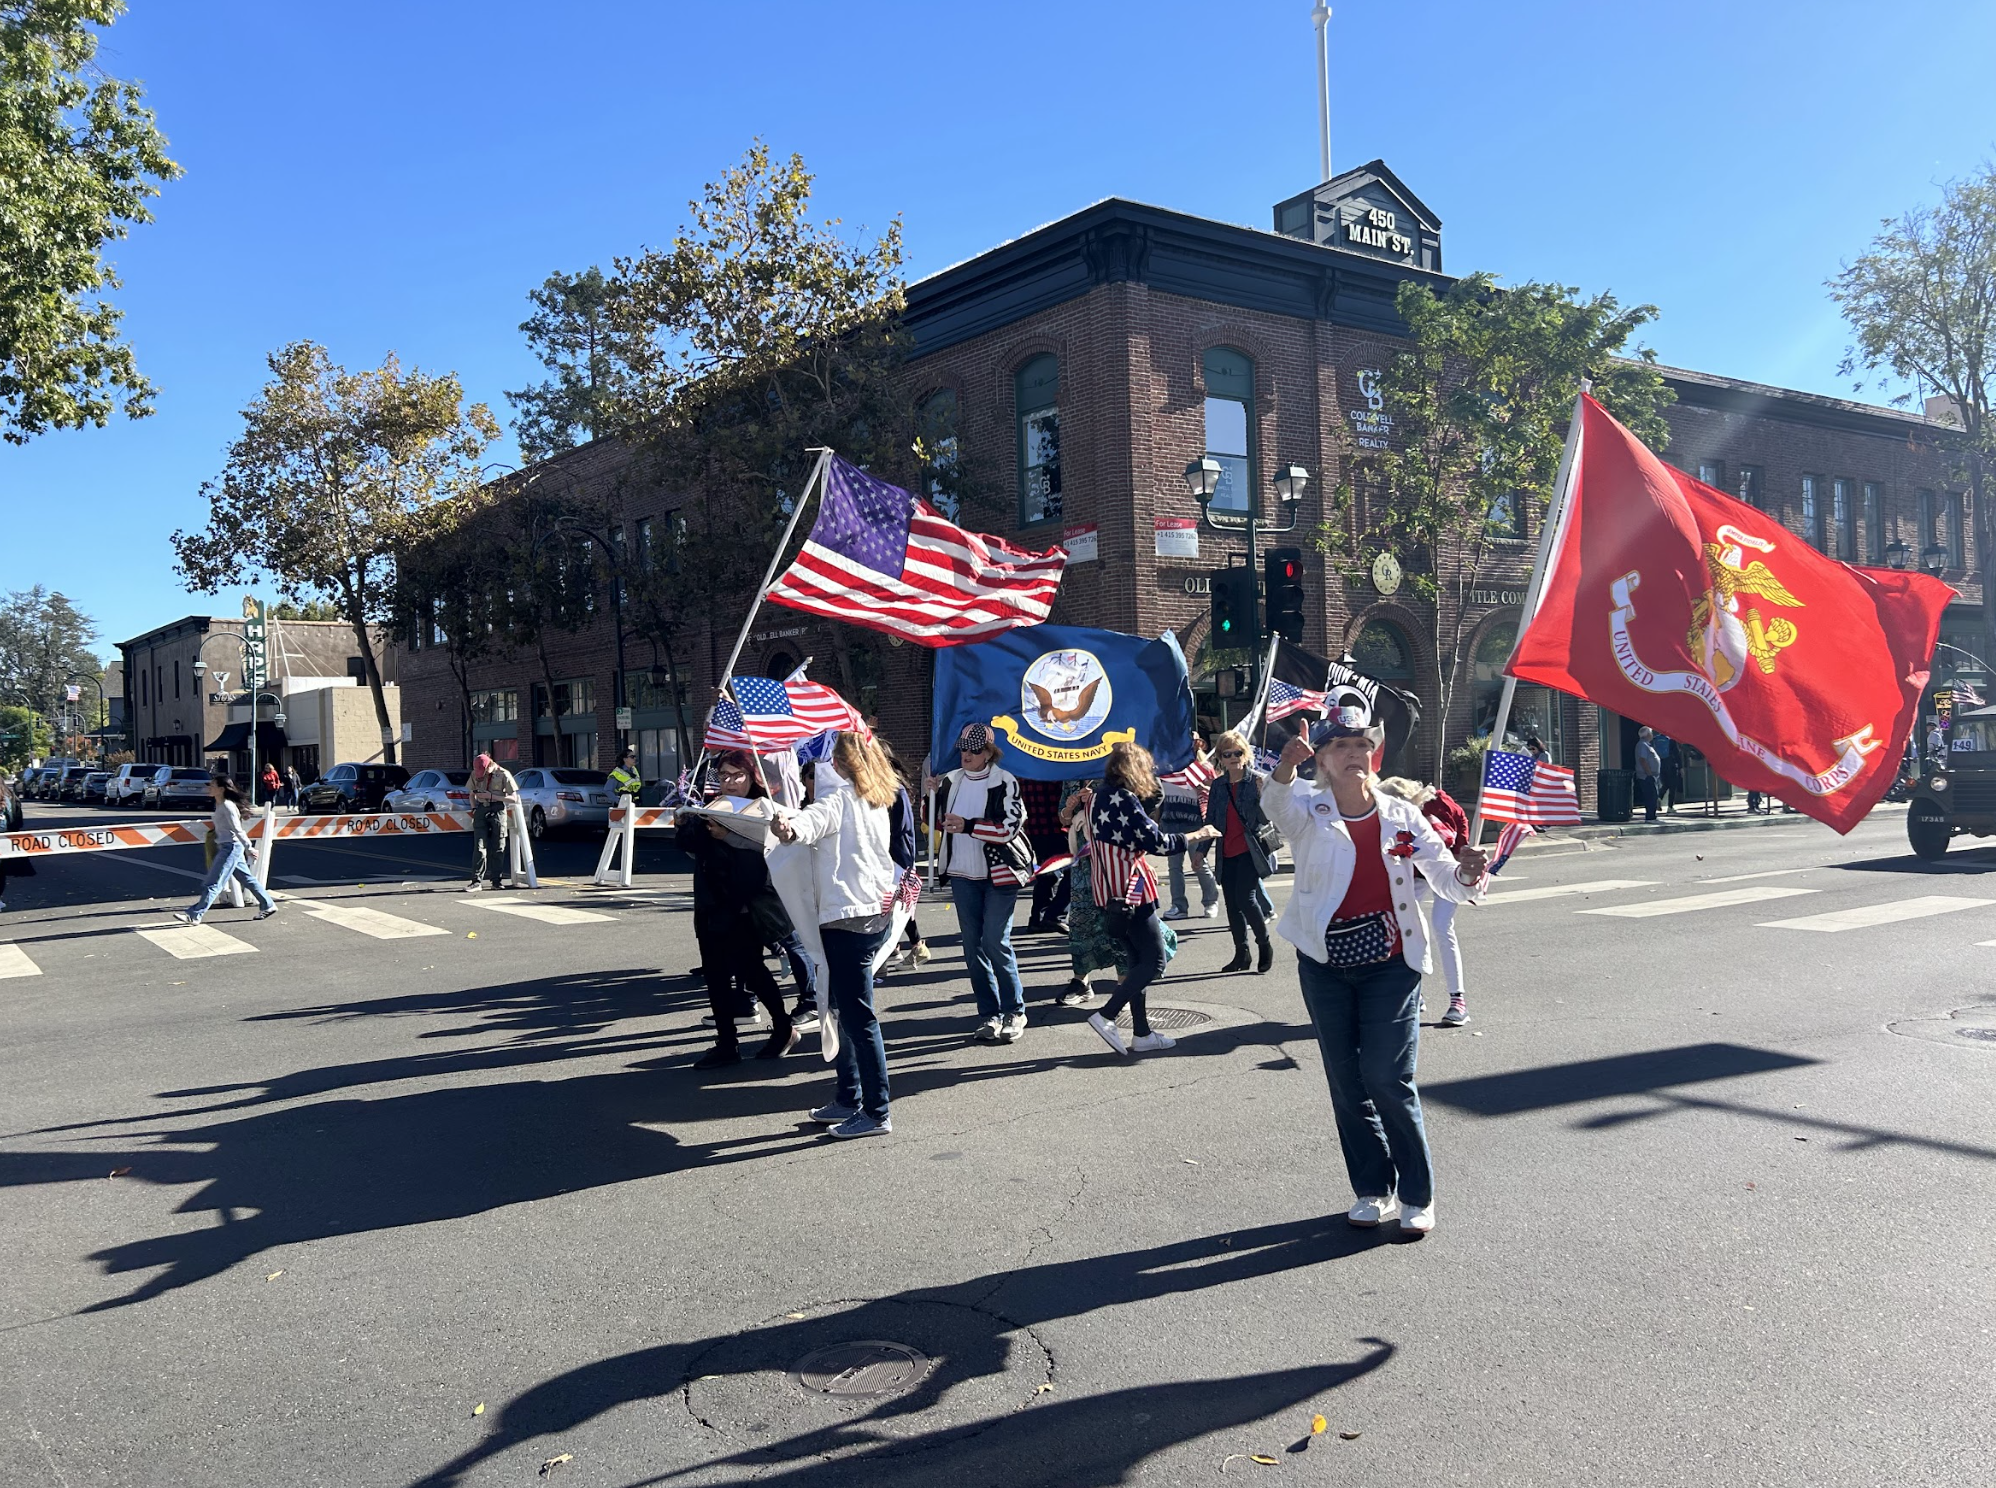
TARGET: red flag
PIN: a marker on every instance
(1669, 602)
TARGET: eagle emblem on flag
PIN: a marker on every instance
(1723, 636)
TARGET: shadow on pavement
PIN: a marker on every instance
(1087, 1441)
(1552, 1085)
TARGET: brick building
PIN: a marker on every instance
(1084, 365)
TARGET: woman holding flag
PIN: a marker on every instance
(1361, 936)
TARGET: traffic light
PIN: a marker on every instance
(1284, 570)
(1234, 617)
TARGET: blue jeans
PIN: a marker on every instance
(984, 915)
(802, 972)
(862, 1061)
(230, 861)
(1369, 1028)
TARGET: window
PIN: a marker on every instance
(145, 692)
(1874, 523)
(1843, 509)
(176, 676)
(1381, 651)
(1229, 430)
(642, 694)
(1956, 548)
(1812, 509)
(500, 705)
(1928, 536)
(658, 754)
(1713, 474)
(1036, 394)
(585, 573)
(1752, 486)
(1535, 710)
(644, 543)
(937, 447)
(1507, 515)
(675, 528)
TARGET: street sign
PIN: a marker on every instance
(624, 719)
(256, 647)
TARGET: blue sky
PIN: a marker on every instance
(396, 177)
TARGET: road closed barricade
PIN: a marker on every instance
(620, 848)
(55, 840)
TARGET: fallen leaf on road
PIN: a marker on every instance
(471, 935)
(1348, 1436)
(552, 1463)
(1043, 1388)
(1190, 1161)
(1263, 1460)
(118, 1172)
(274, 1275)
(478, 1409)
(1229, 1458)
(1318, 1425)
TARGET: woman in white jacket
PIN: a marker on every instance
(856, 878)
(1361, 936)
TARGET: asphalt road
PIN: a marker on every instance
(1715, 1157)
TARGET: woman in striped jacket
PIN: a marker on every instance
(986, 859)
(1125, 888)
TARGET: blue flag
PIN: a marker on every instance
(1063, 697)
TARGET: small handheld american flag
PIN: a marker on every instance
(1518, 788)
(765, 714)
(1284, 700)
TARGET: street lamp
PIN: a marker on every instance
(1933, 558)
(1289, 483)
(1898, 553)
(256, 696)
(1202, 479)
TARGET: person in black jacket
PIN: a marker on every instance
(736, 912)
(1233, 804)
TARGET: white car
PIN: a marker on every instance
(431, 790)
(127, 786)
(557, 797)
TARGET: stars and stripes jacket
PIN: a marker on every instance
(1123, 833)
(1001, 827)
(1325, 856)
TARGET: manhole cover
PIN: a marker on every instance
(1983, 1035)
(1171, 1017)
(1975, 1023)
(867, 1370)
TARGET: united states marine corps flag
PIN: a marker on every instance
(1669, 602)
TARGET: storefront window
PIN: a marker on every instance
(501, 705)
(1229, 395)
(1380, 651)
(1535, 710)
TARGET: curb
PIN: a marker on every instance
(1609, 831)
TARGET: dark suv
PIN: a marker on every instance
(352, 788)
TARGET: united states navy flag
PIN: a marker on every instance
(1063, 697)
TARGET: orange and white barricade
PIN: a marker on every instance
(620, 848)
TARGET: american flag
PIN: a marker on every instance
(1195, 776)
(1284, 700)
(879, 558)
(1507, 843)
(765, 714)
(905, 895)
(1517, 788)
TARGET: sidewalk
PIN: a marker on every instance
(1731, 814)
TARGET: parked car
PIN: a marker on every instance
(127, 783)
(70, 786)
(431, 790)
(352, 788)
(48, 780)
(180, 790)
(558, 798)
(93, 787)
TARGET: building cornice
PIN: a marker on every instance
(1759, 400)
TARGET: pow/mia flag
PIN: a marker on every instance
(1399, 712)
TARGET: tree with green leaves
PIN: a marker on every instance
(330, 478)
(1922, 304)
(571, 335)
(311, 609)
(80, 156)
(24, 736)
(45, 642)
(1478, 405)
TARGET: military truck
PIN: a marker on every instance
(1956, 792)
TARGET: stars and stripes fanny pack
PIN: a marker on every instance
(1362, 940)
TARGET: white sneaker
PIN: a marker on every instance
(1212, 911)
(1013, 1029)
(185, 918)
(1415, 1220)
(1153, 1043)
(989, 1030)
(1370, 1213)
(1108, 1033)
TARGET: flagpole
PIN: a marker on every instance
(1255, 718)
(1551, 536)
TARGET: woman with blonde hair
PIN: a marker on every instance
(1125, 888)
(855, 875)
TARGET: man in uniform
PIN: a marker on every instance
(494, 792)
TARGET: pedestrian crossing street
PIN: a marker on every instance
(464, 915)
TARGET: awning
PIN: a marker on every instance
(269, 739)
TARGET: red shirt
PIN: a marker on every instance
(1233, 836)
(1370, 892)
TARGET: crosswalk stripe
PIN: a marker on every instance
(1558, 891)
(14, 962)
(194, 942)
(547, 914)
(1769, 873)
(1649, 909)
(369, 922)
(1867, 915)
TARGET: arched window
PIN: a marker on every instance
(1229, 429)
(780, 665)
(1379, 650)
(1036, 395)
(937, 448)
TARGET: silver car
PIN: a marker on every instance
(431, 790)
(557, 797)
